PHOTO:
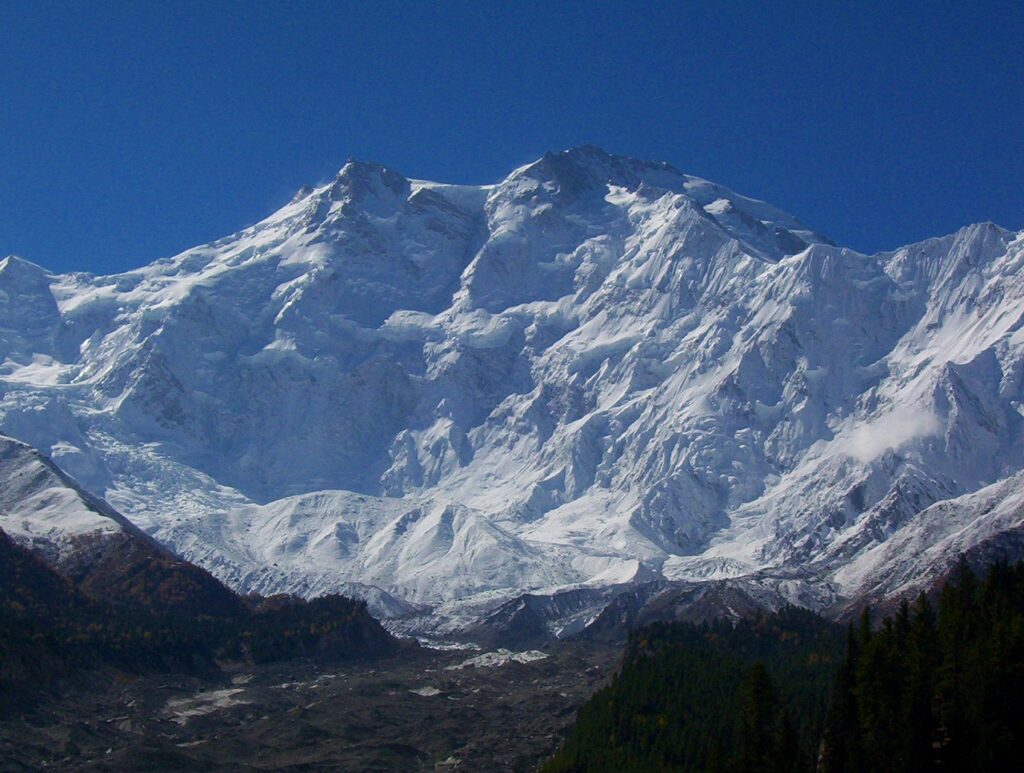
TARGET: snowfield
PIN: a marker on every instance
(597, 371)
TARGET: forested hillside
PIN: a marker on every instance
(50, 628)
(935, 691)
(926, 689)
(712, 696)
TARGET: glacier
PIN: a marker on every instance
(594, 373)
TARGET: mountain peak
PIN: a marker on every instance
(356, 169)
(587, 154)
(586, 171)
(20, 266)
(359, 179)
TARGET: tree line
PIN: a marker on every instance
(932, 687)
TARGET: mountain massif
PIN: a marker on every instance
(597, 379)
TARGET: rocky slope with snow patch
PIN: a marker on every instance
(596, 372)
(42, 507)
(92, 546)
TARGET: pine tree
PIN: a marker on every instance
(759, 722)
(841, 752)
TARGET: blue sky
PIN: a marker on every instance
(129, 132)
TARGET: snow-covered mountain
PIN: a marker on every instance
(596, 372)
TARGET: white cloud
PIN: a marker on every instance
(892, 430)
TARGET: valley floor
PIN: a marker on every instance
(406, 713)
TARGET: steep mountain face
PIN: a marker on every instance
(598, 371)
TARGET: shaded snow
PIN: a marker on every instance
(426, 692)
(182, 710)
(499, 657)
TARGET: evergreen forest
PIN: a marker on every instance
(936, 686)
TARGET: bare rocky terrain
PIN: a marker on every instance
(404, 713)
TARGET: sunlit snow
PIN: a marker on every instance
(596, 371)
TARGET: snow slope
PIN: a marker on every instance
(594, 372)
(42, 507)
